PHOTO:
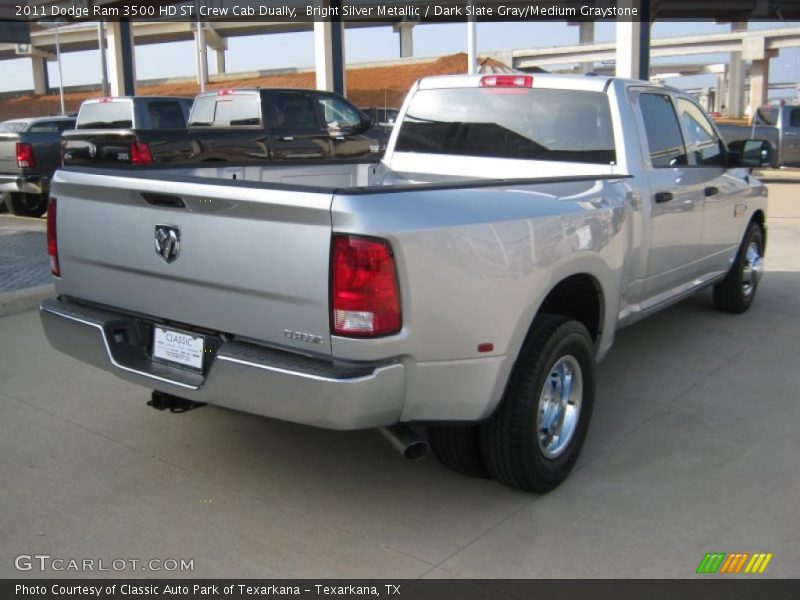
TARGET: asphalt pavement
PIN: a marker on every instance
(693, 448)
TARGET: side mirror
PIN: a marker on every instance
(750, 153)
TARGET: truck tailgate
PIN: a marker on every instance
(93, 147)
(8, 153)
(250, 261)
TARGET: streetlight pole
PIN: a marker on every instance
(60, 75)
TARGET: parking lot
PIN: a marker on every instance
(693, 448)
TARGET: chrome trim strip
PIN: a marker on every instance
(300, 373)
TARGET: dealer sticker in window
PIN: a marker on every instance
(178, 347)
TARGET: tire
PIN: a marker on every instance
(26, 205)
(736, 292)
(458, 448)
(513, 451)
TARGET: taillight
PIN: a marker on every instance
(26, 159)
(140, 154)
(506, 81)
(365, 300)
(52, 240)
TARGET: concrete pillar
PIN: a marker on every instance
(735, 99)
(122, 63)
(628, 49)
(633, 42)
(759, 85)
(720, 96)
(405, 29)
(329, 56)
(220, 56)
(586, 37)
(201, 55)
(41, 82)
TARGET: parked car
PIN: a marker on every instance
(127, 129)
(383, 120)
(467, 282)
(29, 154)
(252, 125)
(779, 124)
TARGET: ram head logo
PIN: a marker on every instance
(168, 242)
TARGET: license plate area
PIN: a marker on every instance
(178, 348)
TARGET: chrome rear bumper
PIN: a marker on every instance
(238, 375)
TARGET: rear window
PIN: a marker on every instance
(165, 114)
(228, 110)
(15, 127)
(105, 115)
(534, 124)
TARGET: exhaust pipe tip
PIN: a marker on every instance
(406, 441)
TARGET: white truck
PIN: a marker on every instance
(461, 289)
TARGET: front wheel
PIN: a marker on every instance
(736, 292)
(26, 205)
(536, 434)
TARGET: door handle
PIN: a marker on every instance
(711, 191)
(661, 197)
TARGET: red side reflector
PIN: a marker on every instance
(140, 154)
(507, 81)
(26, 159)
(365, 300)
(52, 240)
(485, 347)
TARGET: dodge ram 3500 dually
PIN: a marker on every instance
(467, 282)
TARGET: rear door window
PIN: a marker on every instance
(794, 118)
(44, 127)
(228, 110)
(664, 137)
(165, 114)
(295, 112)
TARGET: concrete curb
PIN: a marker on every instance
(21, 300)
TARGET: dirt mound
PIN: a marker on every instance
(374, 86)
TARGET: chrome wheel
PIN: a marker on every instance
(752, 269)
(559, 406)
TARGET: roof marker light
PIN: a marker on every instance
(507, 81)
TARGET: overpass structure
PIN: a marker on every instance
(630, 53)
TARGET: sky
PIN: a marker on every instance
(381, 43)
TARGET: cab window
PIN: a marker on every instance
(339, 114)
(703, 142)
(663, 131)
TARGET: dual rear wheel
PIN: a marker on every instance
(536, 434)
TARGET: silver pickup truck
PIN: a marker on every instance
(463, 287)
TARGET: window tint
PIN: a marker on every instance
(106, 115)
(203, 111)
(238, 109)
(522, 123)
(295, 112)
(664, 136)
(44, 127)
(165, 114)
(794, 118)
(702, 140)
(339, 114)
(224, 111)
(65, 125)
